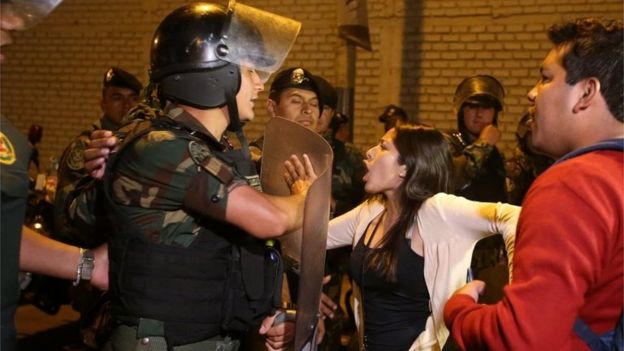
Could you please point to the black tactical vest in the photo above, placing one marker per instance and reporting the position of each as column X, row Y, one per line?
column 223, row 283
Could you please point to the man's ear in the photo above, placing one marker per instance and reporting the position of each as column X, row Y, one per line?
column 271, row 107
column 590, row 91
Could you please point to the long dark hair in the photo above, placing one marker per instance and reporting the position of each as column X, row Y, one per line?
column 425, row 153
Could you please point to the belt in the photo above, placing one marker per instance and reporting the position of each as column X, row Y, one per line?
column 125, row 335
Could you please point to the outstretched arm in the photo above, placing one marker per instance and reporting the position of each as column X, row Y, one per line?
column 40, row 254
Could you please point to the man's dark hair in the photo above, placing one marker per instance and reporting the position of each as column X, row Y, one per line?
column 594, row 48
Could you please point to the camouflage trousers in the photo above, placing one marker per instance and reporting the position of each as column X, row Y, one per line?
column 124, row 338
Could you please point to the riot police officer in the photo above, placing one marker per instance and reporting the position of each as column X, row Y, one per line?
column 477, row 103
column 188, row 264
column 480, row 168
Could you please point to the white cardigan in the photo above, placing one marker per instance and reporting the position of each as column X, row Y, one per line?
column 449, row 226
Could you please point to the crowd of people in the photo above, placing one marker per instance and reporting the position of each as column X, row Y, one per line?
column 160, row 204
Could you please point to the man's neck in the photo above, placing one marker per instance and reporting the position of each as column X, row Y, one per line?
column 214, row 119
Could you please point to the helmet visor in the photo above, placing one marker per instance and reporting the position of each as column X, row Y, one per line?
column 29, row 12
column 258, row 38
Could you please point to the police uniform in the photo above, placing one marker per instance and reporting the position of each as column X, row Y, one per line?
column 483, row 176
column 14, row 158
column 71, row 172
column 179, row 274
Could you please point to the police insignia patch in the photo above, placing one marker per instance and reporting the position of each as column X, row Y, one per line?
column 75, row 159
column 198, row 152
column 201, row 155
column 7, row 152
column 297, row 76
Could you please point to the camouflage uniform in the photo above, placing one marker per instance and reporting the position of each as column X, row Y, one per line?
column 169, row 188
column 71, row 174
column 80, row 219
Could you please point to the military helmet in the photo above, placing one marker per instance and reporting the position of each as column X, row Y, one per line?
column 197, row 49
column 480, row 89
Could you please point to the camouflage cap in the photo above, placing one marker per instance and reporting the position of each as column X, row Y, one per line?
column 117, row 77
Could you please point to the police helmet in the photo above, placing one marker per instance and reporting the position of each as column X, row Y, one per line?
column 197, row 49
column 479, row 90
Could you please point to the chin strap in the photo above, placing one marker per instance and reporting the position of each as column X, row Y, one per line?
column 236, row 125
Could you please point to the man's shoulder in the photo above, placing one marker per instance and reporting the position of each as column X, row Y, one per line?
column 589, row 173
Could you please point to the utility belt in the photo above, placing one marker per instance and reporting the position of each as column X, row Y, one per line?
column 134, row 337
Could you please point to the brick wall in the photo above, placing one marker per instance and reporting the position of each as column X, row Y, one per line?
column 421, row 51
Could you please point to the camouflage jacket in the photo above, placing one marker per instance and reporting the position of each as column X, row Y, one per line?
column 166, row 179
column 79, row 214
column 71, row 174
column 522, row 169
column 479, row 171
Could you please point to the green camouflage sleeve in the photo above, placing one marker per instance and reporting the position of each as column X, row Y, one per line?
column 476, row 155
column 154, row 180
column 71, row 172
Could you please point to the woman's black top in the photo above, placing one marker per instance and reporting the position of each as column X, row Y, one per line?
column 395, row 313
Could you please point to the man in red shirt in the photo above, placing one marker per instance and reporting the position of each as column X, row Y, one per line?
column 568, row 265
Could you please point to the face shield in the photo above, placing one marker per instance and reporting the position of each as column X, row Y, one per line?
column 257, row 39
column 29, row 12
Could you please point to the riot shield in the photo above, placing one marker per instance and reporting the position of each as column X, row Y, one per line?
column 305, row 247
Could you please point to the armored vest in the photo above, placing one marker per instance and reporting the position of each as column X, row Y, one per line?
column 222, row 283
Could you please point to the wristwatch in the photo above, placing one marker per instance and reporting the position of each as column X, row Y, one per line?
column 84, row 270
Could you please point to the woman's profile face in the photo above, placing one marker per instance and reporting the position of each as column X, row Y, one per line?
column 382, row 162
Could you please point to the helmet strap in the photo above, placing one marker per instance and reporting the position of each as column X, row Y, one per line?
column 235, row 123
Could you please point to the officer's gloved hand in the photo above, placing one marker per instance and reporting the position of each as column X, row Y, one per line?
column 101, row 143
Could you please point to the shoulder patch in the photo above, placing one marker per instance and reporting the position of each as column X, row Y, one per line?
column 201, row 155
column 75, row 159
column 160, row 135
column 7, row 151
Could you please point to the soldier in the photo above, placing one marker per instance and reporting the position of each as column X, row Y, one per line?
column 187, row 257
column 23, row 248
column 120, row 92
column 294, row 95
column 480, row 167
column 477, row 103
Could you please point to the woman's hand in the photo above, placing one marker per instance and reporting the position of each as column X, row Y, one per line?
column 299, row 176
